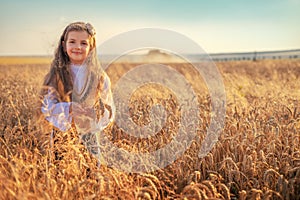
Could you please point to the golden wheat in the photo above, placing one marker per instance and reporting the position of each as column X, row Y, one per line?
column 257, row 155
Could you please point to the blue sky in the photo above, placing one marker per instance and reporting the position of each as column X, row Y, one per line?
column 33, row 27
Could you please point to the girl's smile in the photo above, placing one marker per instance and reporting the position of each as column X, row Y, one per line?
column 77, row 46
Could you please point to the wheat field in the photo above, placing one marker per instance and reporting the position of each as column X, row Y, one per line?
column 257, row 155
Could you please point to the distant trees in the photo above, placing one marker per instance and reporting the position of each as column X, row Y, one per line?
column 255, row 56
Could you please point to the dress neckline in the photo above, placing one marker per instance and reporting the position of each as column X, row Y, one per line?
column 81, row 77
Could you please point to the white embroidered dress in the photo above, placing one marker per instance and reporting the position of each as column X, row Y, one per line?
column 87, row 124
column 58, row 113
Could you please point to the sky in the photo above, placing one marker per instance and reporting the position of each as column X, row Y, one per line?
column 33, row 27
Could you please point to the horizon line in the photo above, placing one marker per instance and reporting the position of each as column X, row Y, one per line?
column 217, row 53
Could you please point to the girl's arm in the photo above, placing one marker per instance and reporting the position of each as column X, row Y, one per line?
column 105, row 108
column 57, row 113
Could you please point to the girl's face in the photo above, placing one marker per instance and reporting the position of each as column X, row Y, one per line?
column 77, row 46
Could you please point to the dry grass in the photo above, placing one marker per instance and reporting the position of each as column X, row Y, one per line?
column 21, row 60
column 257, row 155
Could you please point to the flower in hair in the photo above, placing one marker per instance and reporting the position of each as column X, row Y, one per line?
column 90, row 29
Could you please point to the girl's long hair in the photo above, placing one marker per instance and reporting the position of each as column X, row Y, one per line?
column 59, row 78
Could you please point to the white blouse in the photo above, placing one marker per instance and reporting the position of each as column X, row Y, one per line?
column 57, row 113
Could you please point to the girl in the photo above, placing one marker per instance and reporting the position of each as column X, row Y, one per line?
column 76, row 93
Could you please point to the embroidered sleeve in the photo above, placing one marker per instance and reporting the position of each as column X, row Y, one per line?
column 57, row 113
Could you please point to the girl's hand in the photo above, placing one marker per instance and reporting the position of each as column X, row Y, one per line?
column 79, row 109
column 83, row 117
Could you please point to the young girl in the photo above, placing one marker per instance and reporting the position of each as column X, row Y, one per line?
column 76, row 93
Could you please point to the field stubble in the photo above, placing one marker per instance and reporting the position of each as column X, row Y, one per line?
column 257, row 155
